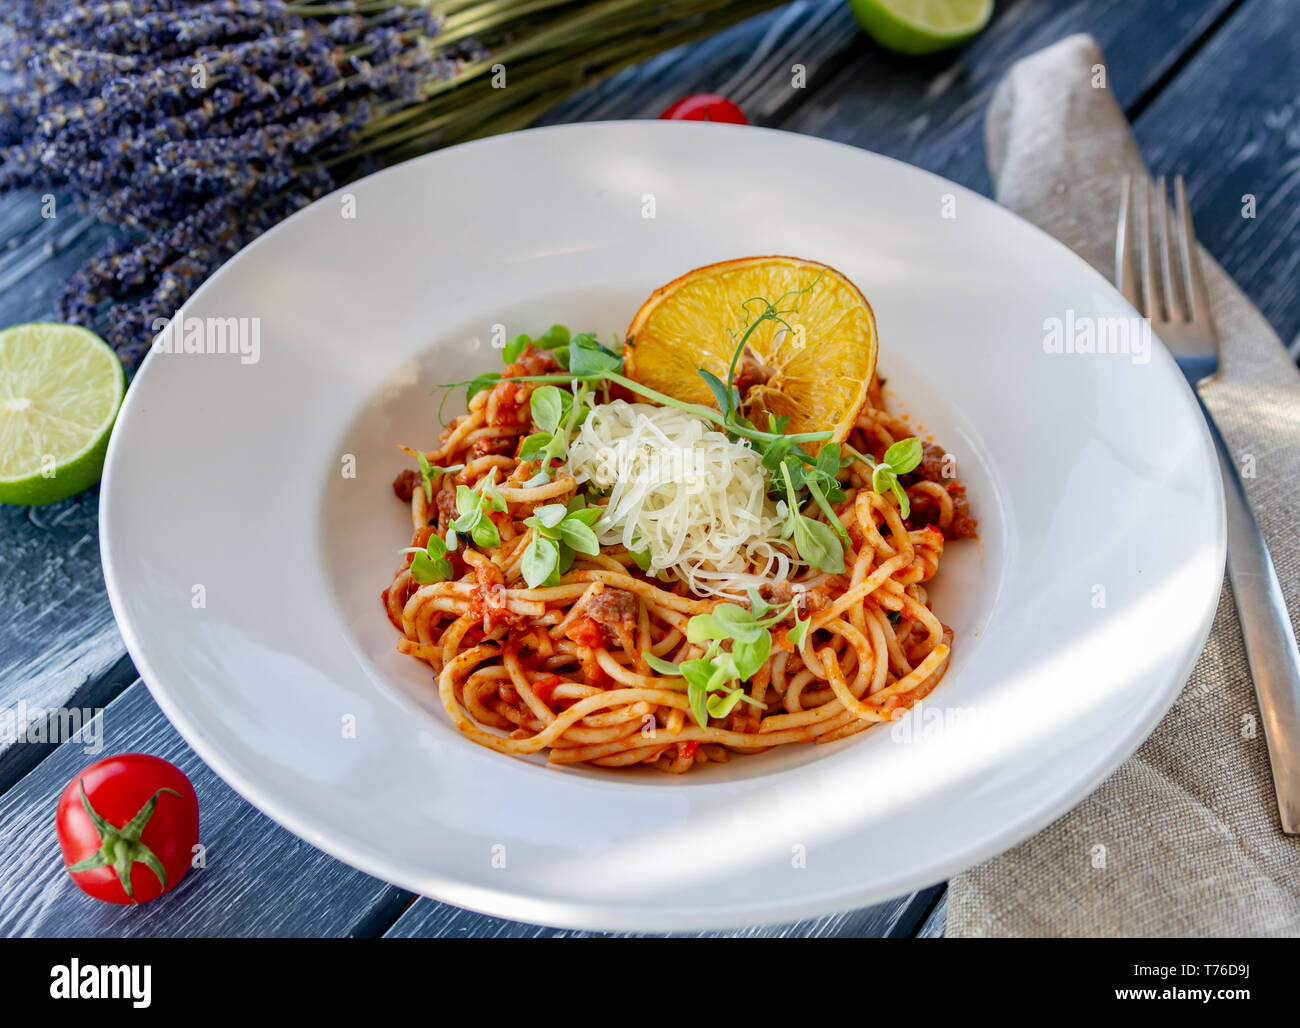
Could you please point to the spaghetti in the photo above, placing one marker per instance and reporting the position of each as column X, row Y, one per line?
column 565, row 668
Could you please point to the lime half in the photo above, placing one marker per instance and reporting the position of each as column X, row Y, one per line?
column 60, row 388
column 921, row 26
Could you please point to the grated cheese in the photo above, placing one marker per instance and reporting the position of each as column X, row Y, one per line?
column 696, row 500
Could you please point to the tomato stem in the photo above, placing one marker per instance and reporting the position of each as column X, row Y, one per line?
column 121, row 848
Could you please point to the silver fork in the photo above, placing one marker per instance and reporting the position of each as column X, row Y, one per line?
column 1180, row 316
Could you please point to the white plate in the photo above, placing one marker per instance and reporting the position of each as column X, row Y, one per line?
column 1077, row 616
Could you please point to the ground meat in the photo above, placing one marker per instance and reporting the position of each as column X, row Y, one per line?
column 931, row 468
column 405, row 484
column 445, row 501
column 811, row 601
column 491, row 598
column 613, row 608
column 777, row 593
column 487, row 575
column 533, row 362
column 924, row 510
column 963, row 523
column 807, row 601
column 492, row 444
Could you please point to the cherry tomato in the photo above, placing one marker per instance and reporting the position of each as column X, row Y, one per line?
column 127, row 826
column 705, row 107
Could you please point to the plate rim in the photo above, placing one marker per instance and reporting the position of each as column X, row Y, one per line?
column 592, row 915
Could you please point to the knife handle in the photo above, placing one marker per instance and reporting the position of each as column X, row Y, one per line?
column 1269, row 638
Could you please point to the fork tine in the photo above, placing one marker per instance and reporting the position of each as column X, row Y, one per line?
column 1198, row 297
column 1152, row 302
column 1173, row 310
column 1125, row 266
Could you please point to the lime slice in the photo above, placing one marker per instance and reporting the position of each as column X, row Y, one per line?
column 921, row 26
column 60, row 387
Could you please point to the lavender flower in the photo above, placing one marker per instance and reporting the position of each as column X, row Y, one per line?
column 105, row 104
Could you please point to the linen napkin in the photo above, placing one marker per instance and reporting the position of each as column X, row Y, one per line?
column 1189, row 825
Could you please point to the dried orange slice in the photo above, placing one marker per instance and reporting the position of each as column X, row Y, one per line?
column 815, row 368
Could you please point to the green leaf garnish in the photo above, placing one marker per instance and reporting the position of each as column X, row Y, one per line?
column 431, row 563
column 816, row 542
column 476, row 385
column 664, row 667
column 726, row 396
column 588, row 357
column 511, row 351
column 559, row 533
column 902, row 457
column 431, row 473
column 578, row 536
column 473, row 505
column 556, row 335
column 541, row 560
column 547, row 407
column 534, row 446
column 710, row 678
column 722, row 703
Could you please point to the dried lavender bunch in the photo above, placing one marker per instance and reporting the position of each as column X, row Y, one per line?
column 195, row 125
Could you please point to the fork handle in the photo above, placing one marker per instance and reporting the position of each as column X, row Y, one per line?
column 1269, row 638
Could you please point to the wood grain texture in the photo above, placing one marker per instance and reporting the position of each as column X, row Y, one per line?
column 260, row 879
column 932, row 927
column 1229, row 122
column 898, row 918
column 1227, row 116
column 927, row 111
column 57, row 635
column 58, row 642
column 931, row 112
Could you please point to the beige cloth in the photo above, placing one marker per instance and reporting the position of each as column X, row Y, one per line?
column 1189, row 824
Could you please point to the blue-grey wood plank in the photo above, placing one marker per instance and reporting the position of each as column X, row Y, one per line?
column 932, row 927
column 1230, row 123
column 931, row 112
column 58, row 642
column 260, row 879
column 900, row 918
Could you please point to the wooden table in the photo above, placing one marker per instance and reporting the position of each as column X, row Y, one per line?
column 1213, row 87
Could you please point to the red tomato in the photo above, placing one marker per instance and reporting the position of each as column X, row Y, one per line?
column 127, row 826
column 705, row 107
column 544, row 689
column 585, row 632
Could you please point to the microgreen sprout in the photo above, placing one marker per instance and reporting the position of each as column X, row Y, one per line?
column 474, row 507
column 902, row 457
column 585, row 360
column 431, row 473
column 431, row 563
column 560, row 532
column 557, row 413
column 816, row 541
column 710, row 678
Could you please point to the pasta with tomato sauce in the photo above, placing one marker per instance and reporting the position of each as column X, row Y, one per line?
column 575, row 667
